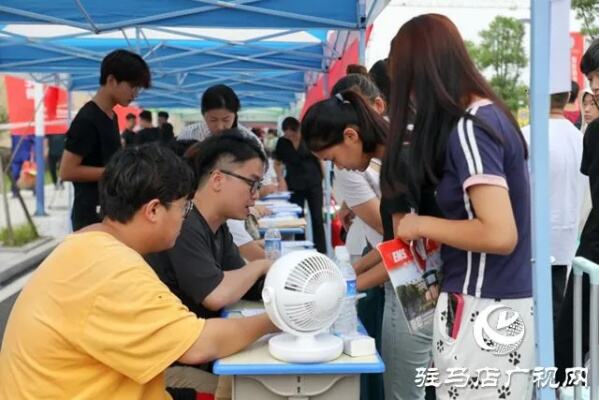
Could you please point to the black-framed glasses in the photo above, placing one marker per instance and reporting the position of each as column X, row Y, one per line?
column 254, row 184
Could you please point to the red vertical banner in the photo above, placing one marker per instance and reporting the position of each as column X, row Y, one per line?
column 336, row 71
column 21, row 107
column 121, row 113
column 576, row 52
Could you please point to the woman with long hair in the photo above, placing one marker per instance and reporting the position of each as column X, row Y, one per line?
column 467, row 150
column 349, row 130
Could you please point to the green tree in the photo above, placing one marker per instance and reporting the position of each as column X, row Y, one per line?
column 501, row 52
column 587, row 11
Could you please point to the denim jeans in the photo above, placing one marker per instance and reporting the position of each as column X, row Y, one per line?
column 402, row 351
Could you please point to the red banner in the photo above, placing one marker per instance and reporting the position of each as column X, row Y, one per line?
column 576, row 52
column 336, row 72
column 21, row 107
column 121, row 113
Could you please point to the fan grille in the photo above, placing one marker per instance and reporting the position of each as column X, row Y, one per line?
column 306, row 277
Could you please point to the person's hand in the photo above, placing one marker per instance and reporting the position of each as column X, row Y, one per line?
column 260, row 211
column 282, row 185
column 409, row 227
column 267, row 189
column 432, row 293
column 346, row 216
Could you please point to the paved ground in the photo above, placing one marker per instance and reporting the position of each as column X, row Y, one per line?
column 16, row 265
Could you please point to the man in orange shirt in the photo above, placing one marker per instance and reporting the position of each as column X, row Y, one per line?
column 94, row 321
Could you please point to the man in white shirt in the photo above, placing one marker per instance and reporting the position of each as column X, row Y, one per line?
column 567, row 190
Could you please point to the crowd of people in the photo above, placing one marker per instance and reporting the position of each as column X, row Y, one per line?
column 422, row 147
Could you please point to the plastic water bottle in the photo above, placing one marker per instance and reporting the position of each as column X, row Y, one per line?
column 347, row 322
column 272, row 244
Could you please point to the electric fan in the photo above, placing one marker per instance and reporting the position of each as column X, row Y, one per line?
column 303, row 293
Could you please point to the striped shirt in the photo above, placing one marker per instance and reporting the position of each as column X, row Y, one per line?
column 199, row 131
column 476, row 156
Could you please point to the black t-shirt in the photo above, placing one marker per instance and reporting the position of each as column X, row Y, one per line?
column 194, row 267
column 94, row 136
column 129, row 137
column 302, row 167
column 148, row 135
column 589, row 239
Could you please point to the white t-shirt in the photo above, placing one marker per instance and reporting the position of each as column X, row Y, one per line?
column 355, row 188
column 567, row 187
column 238, row 231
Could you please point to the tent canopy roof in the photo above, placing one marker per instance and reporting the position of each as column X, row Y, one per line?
column 100, row 16
column 269, row 53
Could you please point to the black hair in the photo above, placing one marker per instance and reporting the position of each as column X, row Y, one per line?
column 590, row 59
column 137, row 174
column 434, row 79
column 229, row 145
column 290, row 124
column 125, row 66
column 130, row 116
column 221, row 96
column 324, row 122
column 356, row 69
column 379, row 73
column 559, row 100
column 574, row 92
column 146, row 115
column 181, row 146
column 163, row 114
column 359, row 83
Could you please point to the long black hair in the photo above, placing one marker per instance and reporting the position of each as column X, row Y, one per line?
column 324, row 122
column 431, row 73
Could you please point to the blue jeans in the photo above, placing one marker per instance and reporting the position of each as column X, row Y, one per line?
column 402, row 351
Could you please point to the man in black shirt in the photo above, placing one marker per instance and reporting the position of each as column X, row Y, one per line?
column 93, row 136
column 128, row 136
column 204, row 268
column 148, row 133
column 303, row 176
column 589, row 238
column 162, row 118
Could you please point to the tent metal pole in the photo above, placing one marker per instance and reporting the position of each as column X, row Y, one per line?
column 327, row 181
column 161, row 17
column 541, row 266
column 40, row 110
column 42, row 17
column 362, row 47
column 298, row 17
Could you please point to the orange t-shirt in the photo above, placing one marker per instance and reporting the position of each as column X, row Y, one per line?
column 94, row 322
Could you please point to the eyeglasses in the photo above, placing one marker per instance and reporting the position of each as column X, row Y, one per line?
column 135, row 89
column 254, row 184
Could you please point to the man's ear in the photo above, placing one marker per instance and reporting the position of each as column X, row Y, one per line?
column 151, row 210
column 111, row 80
column 216, row 180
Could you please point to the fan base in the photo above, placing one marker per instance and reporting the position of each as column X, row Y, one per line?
column 305, row 349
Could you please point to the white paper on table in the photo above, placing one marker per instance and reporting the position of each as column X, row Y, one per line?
column 250, row 312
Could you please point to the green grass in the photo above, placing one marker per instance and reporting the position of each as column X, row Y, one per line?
column 47, row 180
column 23, row 234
